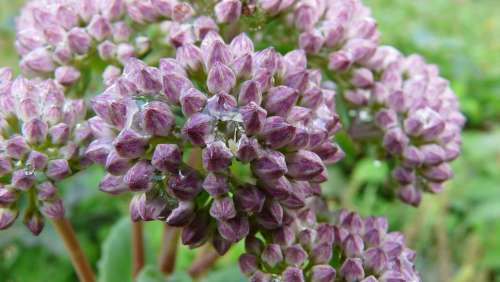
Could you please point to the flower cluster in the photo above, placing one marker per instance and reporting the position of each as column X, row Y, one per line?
column 418, row 115
column 258, row 112
column 58, row 37
column 42, row 140
column 346, row 248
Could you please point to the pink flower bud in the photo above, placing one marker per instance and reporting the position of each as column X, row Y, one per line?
column 280, row 100
column 249, row 92
column 185, row 185
column 7, row 196
column 37, row 160
column 7, row 217
column 322, row 273
column 223, row 209
column 254, row 118
column 16, row 147
column 375, row 259
column 203, row 25
column 190, row 57
column 410, row 195
column 311, row 41
column 362, row 78
column 181, row 215
column 34, row 221
column 38, row 61
column 182, row 11
column 295, row 255
column 248, row 149
column 438, row 173
column 174, row 84
column 66, row 75
column 116, row 164
column 53, row 209
column 227, row 11
column 293, row 274
column 352, row 270
column 241, row 45
column 99, row 27
column 79, row 41
column 403, row 175
column 195, row 233
column 433, row 154
column 107, row 50
column 248, row 264
column 272, row 255
column 59, row 133
column 271, row 216
column 395, row 141
column 250, row 199
column 340, row 61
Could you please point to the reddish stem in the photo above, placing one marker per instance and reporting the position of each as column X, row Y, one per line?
column 137, row 248
column 168, row 250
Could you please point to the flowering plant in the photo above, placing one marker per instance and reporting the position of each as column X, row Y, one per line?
column 221, row 130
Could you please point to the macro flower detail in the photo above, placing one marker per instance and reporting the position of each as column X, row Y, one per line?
column 198, row 102
column 43, row 138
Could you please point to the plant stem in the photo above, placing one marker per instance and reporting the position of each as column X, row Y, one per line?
column 205, row 259
column 168, row 250
column 137, row 248
column 67, row 234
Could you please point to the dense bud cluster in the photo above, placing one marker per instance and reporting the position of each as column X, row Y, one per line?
column 42, row 140
column 418, row 115
column 58, row 37
column 345, row 248
column 240, row 107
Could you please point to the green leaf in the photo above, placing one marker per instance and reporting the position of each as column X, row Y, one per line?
column 115, row 263
column 370, row 171
column 179, row 277
column 150, row 273
column 228, row 273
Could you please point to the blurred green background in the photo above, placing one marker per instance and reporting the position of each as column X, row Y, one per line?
column 456, row 234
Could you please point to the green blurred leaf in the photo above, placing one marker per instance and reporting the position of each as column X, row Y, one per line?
column 179, row 277
column 228, row 273
column 370, row 171
column 151, row 273
column 115, row 263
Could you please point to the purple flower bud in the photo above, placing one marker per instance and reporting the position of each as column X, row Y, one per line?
column 112, row 184
column 182, row 214
column 7, row 196
column 386, row 119
column 46, row 191
column 157, row 119
column 234, row 229
column 280, row 100
column 59, row 133
column 329, row 153
column 117, row 165
column 216, row 157
column 293, row 274
column 412, row 156
column 167, row 158
column 227, row 11
column 362, row 78
column 352, row 270
column 249, row 199
column 254, row 118
column 53, row 209
column 304, row 165
column 277, row 132
column 79, row 41
column 22, row 179
column 358, row 97
column 34, row 221
column 439, row 173
column 220, row 244
column 322, row 273
column 395, row 141
column 311, row 41
column 216, row 185
column 403, row 175
column 58, row 169
column 271, row 216
column 278, row 188
column 397, row 101
column 7, row 217
column 67, row 75
column 129, row 144
column 124, row 52
column 322, row 252
column 5, row 166
column 370, row 278
column 241, row 45
column 182, row 11
column 38, row 61
column 270, row 165
column 295, row 255
column 305, row 17
column 139, row 177
column 195, row 233
column 249, row 92
column 253, row 245
column 198, row 129
column 375, row 259
column 99, row 27
column 190, row 57
column 185, row 185
column 433, row 154
column 111, row 74
column 259, row 276
column 272, row 255
column 135, row 207
column 248, row 264
column 113, row 9
column 243, row 66
column 410, row 195
column 340, row 61
column 192, row 101
column 223, row 209
column 37, row 160
column 202, row 25
column 353, row 245
column 220, row 79
column 248, row 149
column 98, row 151
column 35, row 131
